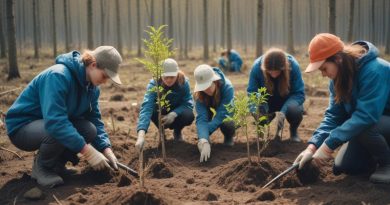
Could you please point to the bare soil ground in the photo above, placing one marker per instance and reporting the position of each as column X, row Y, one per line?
column 228, row 178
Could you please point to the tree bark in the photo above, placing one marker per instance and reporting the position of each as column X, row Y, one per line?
column 229, row 25
column 34, row 12
column 259, row 34
column 54, row 33
column 290, row 37
column 13, row 70
column 170, row 21
column 351, row 18
column 89, row 24
column 118, row 27
column 102, row 27
column 332, row 16
column 186, row 30
column 205, row 32
column 138, row 29
column 66, row 26
column 223, row 30
column 2, row 35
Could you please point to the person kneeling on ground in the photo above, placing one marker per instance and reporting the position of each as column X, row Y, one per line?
column 358, row 115
column 212, row 92
column 181, row 104
column 279, row 72
column 230, row 61
column 58, row 114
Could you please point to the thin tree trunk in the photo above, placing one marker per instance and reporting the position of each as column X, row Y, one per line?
column 152, row 12
column 129, row 24
column 205, row 32
column 13, row 70
column 223, row 30
column 103, row 13
column 118, row 27
column 34, row 12
column 387, row 49
column 290, row 37
column 163, row 13
column 78, row 25
column 332, row 16
column 351, row 17
column 186, row 30
column 229, row 25
column 2, row 35
column 39, row 25
column 170, row 21
column 54, row 37
column 259, row 34
column 70, row 33
column 372, row 30
column 89, row 24
column 66, row 26
column 138, row 29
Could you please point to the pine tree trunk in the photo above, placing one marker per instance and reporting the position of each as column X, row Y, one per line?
column 186, row 30
column 138, row 29
column 290, row 37
column 332, row 16
column 34, row 12
column 118, row 27
column 66, row 25
column 2, row 35
column 89, row 24
column 163, row 12
column 351, row 17
column 102, row 27
column 223, row 30
column 13, row 70
column 152, row 12
column 129, row 24
column 170, row 21
column 259, row 34
column 229, row 25
column 54, row 33
column 205, row 32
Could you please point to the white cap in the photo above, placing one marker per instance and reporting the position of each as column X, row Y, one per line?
column 204, row 76
column 170, row 67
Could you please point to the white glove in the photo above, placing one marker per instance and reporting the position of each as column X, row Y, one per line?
column 96, row 159
column 204, row 149
column 305, row 156
column 139, row 145
column 324, row 152
column 169, row 118
column 111, row 158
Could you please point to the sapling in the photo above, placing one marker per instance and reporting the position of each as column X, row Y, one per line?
column 257, row 100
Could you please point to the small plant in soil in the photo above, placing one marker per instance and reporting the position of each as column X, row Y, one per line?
column 157, row 50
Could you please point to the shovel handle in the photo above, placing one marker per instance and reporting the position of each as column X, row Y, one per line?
column 294, row 166
column 131, row 171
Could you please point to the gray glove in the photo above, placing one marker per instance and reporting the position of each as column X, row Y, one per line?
column 169, row 118
column 280, row 124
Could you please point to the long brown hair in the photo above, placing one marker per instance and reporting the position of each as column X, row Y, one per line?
column 210, row 101
column 276, row 59
column 345, row 61
column 179, row 80
column 87, row 58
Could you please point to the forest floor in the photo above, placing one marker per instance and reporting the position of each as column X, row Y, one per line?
column 227, row 178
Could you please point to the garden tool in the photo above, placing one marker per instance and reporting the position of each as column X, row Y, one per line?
column 130, row 170
column 293, row 167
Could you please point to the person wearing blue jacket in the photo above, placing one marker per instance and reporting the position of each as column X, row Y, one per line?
column 181, row 104
column 279, row 72
column 58, row 114
column 358, row 115
column 230, row 61
column 212, row 92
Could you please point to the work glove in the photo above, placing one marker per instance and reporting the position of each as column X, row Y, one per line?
column 280, row 124
column 324, row 152
column 204, row 149
column 169, row 118
column 139, row 145
column 96, row 159
column 305, row 156
column 109, row 154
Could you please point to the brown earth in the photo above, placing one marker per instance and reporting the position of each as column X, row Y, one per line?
column 227, row 178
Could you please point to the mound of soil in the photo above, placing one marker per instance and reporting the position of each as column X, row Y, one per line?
column 273, row 148
column 263, row 195
column 144, row 198
column 158, row 169
column 241, row 175
column 124, row 181
column 117, row 97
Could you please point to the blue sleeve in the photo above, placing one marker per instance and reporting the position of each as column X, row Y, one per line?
column 187, row 103
column 202, row 118
column 101, row 141
column 373, row 86
column 54, row 89
column 226, row 98
column 334, row 116
column 297, row 91
column 147, row 107
column 255, row 77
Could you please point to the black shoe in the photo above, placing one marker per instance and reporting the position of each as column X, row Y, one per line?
column 381, row 175
column 228, row 141
column 44, row 176
column 177, row 136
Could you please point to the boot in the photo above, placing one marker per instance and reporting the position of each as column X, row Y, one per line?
column 61, row 169
column 177, row 135
column 294, row 135
column 228, row 140
column 44, row 176
column 381, row 175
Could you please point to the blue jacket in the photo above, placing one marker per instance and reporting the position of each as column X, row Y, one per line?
column 179, row 99
column 235, row 60
column 58, row 95
column 204, row 126
column 370, row 100
column 296, row 95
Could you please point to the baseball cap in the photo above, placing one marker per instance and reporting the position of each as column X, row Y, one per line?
column 204, row 76
column 170, row 67
column 108, row 58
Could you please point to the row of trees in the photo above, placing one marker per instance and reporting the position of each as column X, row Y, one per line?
column 64, row 25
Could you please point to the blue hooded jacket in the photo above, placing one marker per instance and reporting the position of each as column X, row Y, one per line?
column 296, row 95
column 370, row 100
column 58, row 95
column 204, row 126
column 179, row 99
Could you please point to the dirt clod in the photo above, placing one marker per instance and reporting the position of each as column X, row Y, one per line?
column 124, row 181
